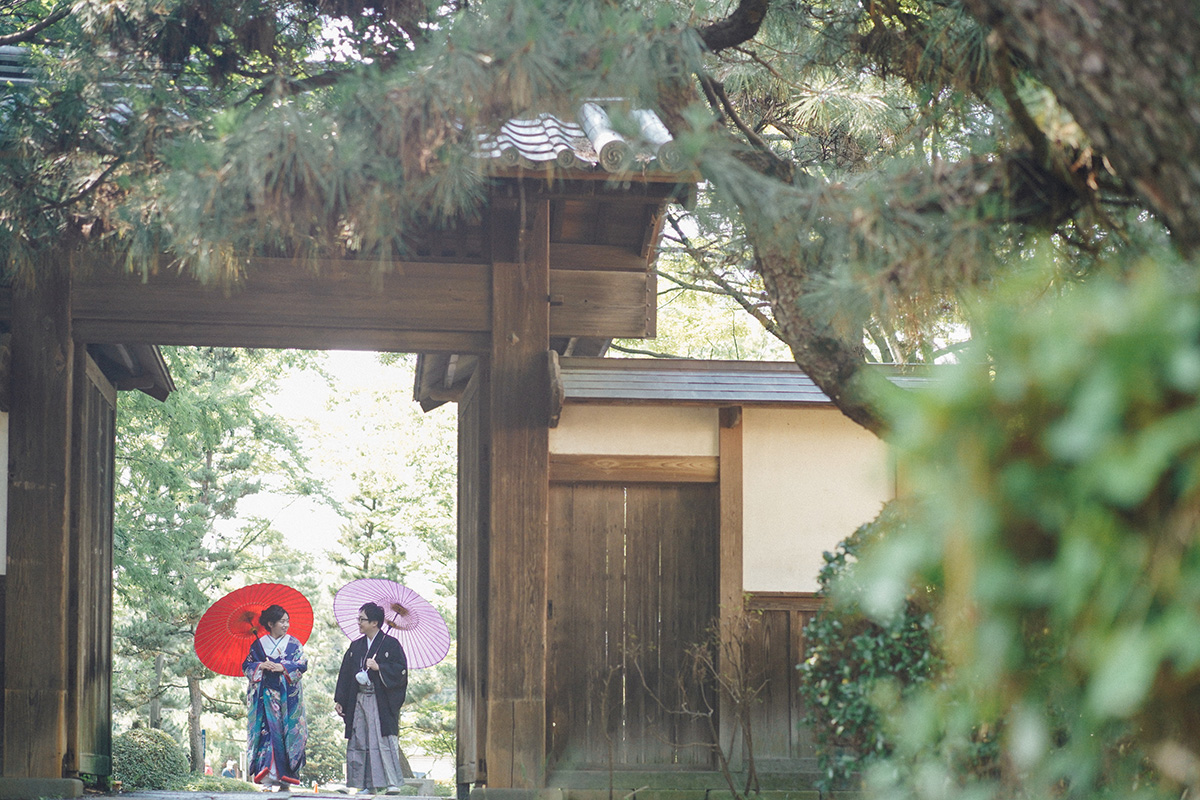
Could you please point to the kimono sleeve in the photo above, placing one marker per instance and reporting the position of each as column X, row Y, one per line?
column 294, row 661
column 254, row 659
column 393, row 669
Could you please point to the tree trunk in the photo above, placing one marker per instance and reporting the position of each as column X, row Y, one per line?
column 834, row 364
column 1126, row 70
column 156, row 695
column 194, row 739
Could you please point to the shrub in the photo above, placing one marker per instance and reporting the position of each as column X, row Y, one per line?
column 215, row 783
column 854, row 662
column 147, row 758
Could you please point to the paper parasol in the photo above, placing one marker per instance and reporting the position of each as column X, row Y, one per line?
column 230, row 625
column 406, row 615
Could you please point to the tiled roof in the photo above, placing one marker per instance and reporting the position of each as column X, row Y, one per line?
column 588, row 142
column 695, row 382
column 14, row 65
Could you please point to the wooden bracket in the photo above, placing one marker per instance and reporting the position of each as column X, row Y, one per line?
column 557, row 390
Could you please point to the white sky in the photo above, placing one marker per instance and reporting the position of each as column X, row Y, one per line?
column 304, row 400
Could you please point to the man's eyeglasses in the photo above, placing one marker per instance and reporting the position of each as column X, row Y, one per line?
column 363, row 619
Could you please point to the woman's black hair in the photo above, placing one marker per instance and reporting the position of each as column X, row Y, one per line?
column 270, row 615
column 373, row 612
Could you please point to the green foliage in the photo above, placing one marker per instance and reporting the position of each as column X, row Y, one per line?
column 858, row 669
column 147, row 758
column 183, row 468
column 214, row 783
column 1058, row 473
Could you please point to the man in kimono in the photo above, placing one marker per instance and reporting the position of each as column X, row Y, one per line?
column 371, row 687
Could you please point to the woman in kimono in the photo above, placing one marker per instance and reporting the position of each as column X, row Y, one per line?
column 276, row 732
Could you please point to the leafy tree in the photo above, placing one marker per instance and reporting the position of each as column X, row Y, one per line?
column 1056, row 513
column 182, row 468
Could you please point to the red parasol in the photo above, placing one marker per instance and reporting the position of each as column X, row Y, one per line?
column 406, row 615
column 230, row 625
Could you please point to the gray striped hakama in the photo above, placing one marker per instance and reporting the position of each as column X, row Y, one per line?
column 372, row 760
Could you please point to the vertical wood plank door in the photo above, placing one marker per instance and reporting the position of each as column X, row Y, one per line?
column 632, row 585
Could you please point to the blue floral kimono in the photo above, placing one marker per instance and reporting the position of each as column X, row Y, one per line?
column 276, row 732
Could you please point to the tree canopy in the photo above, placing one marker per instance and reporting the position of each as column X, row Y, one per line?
column 873, row 159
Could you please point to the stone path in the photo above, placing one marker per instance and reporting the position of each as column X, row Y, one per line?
column 298, row 794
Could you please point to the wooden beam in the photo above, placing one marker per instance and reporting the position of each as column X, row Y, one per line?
column 572, row 468
column 730, row 614
column 423, row 307
column 162, row 332
column 599, row 303
column 805, row 602
column 567, row 255
column 39, row 489
column 283, row 303
column 519, row 497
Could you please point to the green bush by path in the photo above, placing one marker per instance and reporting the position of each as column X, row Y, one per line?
column 855, row 664
column 215, row 783
column 147, row 758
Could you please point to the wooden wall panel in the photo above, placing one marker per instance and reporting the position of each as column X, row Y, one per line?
column 36, row 656
column 583, row 696
column 473, row 513
column 89, row 712
column 632, row 583
column 685, row 519
column 774, row 647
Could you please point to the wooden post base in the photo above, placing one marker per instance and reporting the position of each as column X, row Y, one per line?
column 22, row 788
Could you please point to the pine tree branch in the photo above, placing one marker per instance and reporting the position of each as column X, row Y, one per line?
column 740, row 26
column 726, row 287
column 85, row 191
column 289, row 87
column 27, row 35
column 640, row 352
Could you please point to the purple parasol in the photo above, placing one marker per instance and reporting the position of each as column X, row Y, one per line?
column 406, row 615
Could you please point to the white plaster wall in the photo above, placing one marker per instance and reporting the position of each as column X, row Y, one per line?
column 811, row 477
column 636, row 430
column 4, row 493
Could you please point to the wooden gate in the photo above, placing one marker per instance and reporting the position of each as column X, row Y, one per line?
column 632, row 584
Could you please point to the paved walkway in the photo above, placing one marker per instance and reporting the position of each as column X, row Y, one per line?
column 298, row 794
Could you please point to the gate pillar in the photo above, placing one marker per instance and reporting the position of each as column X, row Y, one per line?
column 36, row 668
column 515, row 750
